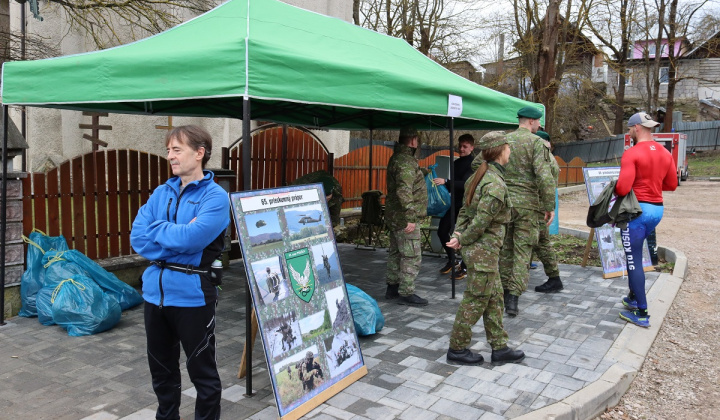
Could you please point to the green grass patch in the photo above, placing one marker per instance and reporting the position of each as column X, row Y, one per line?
column 570, row 250
column 704, row 164
column 665, row 267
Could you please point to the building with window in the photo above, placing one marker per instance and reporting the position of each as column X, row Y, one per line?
column 694, row 69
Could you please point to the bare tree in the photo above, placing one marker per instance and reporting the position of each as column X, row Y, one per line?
column 35, row 47
column 678, row 22
column 106, row 22
column 550, row 44
column 437, row 28
column 101, row 19
column 611, row 23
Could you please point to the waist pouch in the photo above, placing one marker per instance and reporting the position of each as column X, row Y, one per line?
column 214, row 274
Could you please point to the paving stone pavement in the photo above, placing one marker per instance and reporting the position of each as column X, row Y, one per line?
column 45, row 374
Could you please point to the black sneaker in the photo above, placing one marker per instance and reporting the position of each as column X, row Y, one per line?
column 507, row 355
column 412, row 300
column 464, row 357
column 392, row 291
column 446, row 268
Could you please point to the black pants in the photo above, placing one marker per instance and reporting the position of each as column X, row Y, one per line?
column 193, row 328
column 444, row 234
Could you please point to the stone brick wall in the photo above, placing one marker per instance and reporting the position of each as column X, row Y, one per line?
column 14, row 251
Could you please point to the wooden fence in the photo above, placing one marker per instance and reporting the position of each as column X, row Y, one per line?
column 92, row 199
column 301, row 151
column 571, row 173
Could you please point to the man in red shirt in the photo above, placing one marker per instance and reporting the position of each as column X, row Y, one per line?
column 648, row 169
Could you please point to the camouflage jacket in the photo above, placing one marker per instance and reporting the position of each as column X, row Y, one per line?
column 309, row 371
column 481, row 225
column 407, row 198
column 529, row 176
column 555, row 169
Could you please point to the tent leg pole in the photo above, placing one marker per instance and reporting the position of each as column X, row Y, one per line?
column 246, row 150
column 283, row 159
column 3, row 214
column 370, row 182
column 452, row 200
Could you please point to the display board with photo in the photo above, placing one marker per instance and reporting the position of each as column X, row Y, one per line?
column 298, row 294
column 610, row 246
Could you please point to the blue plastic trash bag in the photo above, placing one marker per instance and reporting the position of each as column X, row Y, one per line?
column 43, row 302
column 438, row 196
column 75, row 262
column 33, row 278
column 82, row 308
column 366, row 312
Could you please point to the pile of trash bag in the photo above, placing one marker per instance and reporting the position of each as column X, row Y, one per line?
column 64, row 287
column 366, row 312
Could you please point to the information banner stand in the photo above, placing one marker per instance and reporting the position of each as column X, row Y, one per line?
column 607, row 236
column 301, row 305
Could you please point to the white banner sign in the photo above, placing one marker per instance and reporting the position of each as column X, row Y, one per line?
column 270, row 201
column 454, row 106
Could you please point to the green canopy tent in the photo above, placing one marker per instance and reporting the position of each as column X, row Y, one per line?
column 288, row 64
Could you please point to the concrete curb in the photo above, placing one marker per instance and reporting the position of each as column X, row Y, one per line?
column 628, row 351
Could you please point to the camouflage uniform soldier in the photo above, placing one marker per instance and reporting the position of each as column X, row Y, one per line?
column 333, row 191
column 405, row 204
column 544, row 249
column 480, row 231
column 309, row 370
column 531, row 187
column 273, row 283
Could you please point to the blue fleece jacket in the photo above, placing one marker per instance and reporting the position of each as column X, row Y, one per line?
column 182, row 228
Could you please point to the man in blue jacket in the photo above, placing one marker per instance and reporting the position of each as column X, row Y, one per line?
column 180, row 230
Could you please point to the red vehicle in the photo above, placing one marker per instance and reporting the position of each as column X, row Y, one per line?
column 675, row 143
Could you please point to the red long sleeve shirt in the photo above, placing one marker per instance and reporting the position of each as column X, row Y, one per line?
column 648, row 169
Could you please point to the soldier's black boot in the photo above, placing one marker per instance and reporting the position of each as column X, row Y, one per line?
column 511, row 305
column 464, row 357
column 392, row 291
column 506, row 293
column 554, row 284
column 412, row 300
column 505, row 355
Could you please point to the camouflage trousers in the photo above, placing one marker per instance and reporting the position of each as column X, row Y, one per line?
column 545, row 252
column 483, row 297
column 404, row 260
column 521, row 235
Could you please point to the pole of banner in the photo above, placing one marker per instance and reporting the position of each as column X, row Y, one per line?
column 3, row 214
column 246, row 150
column 452, row 200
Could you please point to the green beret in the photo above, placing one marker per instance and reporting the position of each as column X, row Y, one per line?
column 543, row 135
column 529, row 112
column 408, row 131
column 492, row 139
